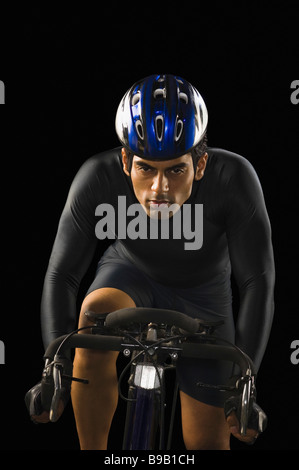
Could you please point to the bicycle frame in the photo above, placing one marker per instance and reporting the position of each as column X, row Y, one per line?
column 145, row 409
column 141, row 419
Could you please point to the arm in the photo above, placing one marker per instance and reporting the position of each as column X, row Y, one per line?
column 71, row 255
column 251, row 254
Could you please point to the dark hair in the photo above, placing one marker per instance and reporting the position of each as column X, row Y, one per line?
column 199, row 150
column 196, row 153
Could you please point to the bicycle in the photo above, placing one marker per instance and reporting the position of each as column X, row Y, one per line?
column 154, row 339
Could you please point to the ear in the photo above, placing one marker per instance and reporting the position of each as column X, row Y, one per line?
column 201, row 166
column 125, row 161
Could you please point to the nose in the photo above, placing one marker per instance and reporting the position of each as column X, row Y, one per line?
column 160, row 183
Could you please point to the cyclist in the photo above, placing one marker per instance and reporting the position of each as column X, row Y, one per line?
column 163, row 159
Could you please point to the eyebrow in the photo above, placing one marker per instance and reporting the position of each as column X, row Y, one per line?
column 178, row 165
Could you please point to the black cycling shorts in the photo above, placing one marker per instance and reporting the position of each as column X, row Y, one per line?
column 213, row 299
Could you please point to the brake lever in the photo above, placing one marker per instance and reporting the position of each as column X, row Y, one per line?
column 57, row 396
column 57, row 393
column 245, row 404
column 245, row 388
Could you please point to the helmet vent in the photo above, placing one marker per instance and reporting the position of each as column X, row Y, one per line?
column 139, row 129
column 159, row 125
column 135, row 99
column 159, row 93
column 183, row 97
column 179, row 129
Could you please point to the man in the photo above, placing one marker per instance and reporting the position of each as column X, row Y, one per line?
column 163, row 162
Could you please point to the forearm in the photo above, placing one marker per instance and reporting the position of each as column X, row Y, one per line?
column 58, row 306
column 255, row 316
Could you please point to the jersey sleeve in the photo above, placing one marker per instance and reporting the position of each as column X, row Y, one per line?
column 72, row 252
column 251, row 253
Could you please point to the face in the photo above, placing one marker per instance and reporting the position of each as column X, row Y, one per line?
column 158, row 185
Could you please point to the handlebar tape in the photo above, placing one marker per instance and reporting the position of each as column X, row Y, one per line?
column 124, row 316
column 108, row 343
column 218, row 352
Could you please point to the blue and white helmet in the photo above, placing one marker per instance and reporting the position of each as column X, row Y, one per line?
column 161, row 118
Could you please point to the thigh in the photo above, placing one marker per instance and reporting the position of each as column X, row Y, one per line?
column 120, row 274
column 200, row 303
column 204, row 426
column 193, row 372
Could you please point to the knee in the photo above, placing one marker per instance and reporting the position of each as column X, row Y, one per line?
column 104, row 300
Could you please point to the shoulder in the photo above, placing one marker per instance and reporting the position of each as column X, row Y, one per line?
column 239, row 190
column 228, row 161
column 104, row 161
column 98, row 168
column 230, row 168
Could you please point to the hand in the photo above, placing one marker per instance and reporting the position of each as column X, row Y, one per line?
column 44, row 417
column 234, row 426
column 34, row 405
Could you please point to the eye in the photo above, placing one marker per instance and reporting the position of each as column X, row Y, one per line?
column 177, row 171
column 144, row 168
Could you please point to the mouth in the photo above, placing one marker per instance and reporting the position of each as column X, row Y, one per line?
column 162, row 208
column 159, row 203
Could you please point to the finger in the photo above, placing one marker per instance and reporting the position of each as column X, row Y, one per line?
column 42, row 418
column 234, row 427
column 250, row 437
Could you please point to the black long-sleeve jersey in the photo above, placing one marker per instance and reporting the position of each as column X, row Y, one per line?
column 236, row 235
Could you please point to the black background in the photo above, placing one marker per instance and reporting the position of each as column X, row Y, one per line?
column 65, row 71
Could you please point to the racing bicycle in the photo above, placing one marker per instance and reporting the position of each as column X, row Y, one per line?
column 152, row 339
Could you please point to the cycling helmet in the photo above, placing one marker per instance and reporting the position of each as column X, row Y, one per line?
column 161, row 117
